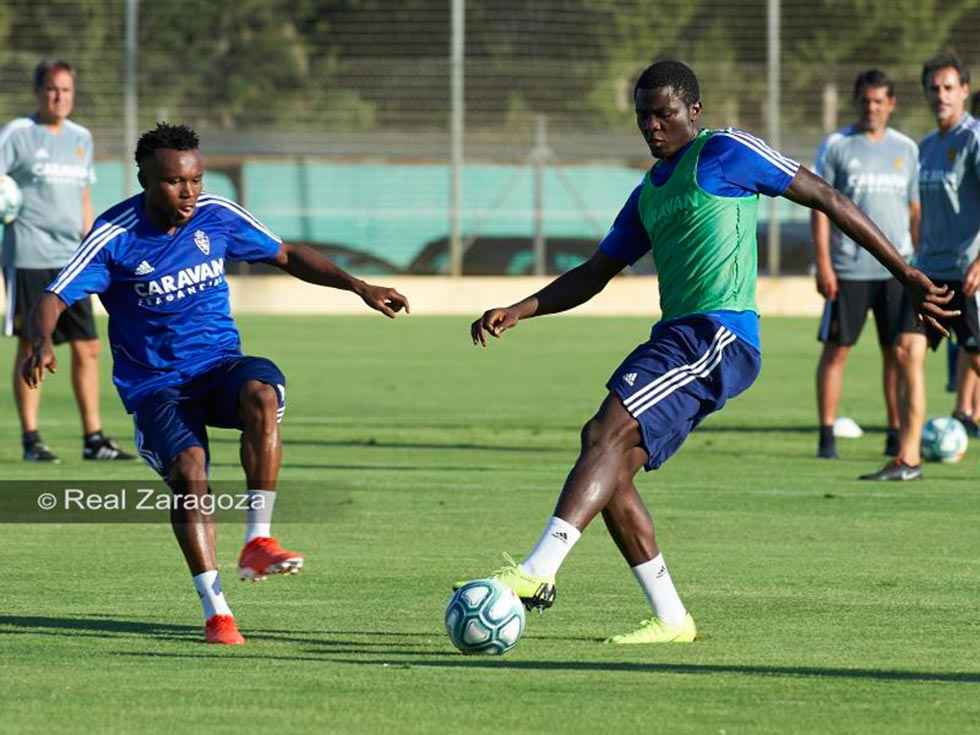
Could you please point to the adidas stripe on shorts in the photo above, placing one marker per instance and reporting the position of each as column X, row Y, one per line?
column 687, row 369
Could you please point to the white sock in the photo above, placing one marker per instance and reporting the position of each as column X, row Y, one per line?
column 659, row 589
column 208, row 586
column 258, row 517
column 548, row 554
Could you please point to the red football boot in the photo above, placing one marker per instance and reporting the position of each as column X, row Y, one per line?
column 222, row 629
column 263, row 556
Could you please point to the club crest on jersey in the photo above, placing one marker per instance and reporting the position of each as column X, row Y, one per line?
column 203, row 242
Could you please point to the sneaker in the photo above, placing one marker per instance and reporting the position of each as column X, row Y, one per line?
column 891, row 443
column 38, row 452
column 222, row 629
column 655, row 630
column 263, row 556
column 104, row 448
column 895, row 470
column 972, row 430
column 535, row 592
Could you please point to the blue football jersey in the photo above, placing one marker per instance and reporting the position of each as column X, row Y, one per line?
column 166, row 295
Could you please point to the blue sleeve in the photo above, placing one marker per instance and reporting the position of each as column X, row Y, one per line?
column 627, row 239
column 88, row 271
column 736, row 164
column 249, row 239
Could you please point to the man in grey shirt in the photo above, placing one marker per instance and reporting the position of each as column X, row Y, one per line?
column 876, row 167
column 949, row 187
column 50, row 158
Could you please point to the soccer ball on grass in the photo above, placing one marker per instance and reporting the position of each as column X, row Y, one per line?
column 943, row 440
column 10, row 200
column 484, row 616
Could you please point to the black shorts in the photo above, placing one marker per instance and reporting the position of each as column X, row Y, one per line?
column 966, row 326
column 25, row 286
column 843, row 319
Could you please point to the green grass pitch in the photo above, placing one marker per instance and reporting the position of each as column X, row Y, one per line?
column 411, row 458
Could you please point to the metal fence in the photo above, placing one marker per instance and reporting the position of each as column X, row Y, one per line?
column 297, row 99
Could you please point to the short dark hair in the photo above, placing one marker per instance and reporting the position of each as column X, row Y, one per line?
column 47, row 67
column 975, row 104
column 873, row 79
column 165, row 135
column 669, row 73
column 943, row 60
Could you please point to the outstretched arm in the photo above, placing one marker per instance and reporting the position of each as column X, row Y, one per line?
column 811, row 191
column 307, row 264
column 40, row 325
column 566, row 292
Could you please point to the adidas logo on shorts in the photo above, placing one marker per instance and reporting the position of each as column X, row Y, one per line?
column 143, row 269
column 630, row 378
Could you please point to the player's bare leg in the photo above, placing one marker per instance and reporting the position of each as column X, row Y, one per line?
column 608, row 440
column 194, row 529
column 188, row 479
column 911, row 355
column 967, row 384
column 85, row 382
column 830, row 381
column 626, row 516
column 261, row 456
column 28, row 405
column 910, row 352
column 891, row 380
column 631, row 527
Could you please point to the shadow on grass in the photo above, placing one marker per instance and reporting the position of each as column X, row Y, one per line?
column 452, row 660
column 98, row 626
column 95, row 627
column 374, row 468
column 379, row 444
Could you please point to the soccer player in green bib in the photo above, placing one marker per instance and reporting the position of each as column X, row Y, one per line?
column 695, row 210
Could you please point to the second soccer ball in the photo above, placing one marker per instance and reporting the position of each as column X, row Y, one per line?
column 943, row 440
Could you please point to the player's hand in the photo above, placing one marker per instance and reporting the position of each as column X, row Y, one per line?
column 386, row 300
column 928, row 300
column 495, row 322
column 971, row 281
column 41, row 359
column 827, row 283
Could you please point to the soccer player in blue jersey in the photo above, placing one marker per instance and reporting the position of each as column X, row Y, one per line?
column 157, row 262
column 696, row 211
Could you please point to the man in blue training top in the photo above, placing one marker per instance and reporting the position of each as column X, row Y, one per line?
column 696, row 211
column 157, row 262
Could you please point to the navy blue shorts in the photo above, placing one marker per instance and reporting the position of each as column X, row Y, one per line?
column 174, row 418
column 688, row 369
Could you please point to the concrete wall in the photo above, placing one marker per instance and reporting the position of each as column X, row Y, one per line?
column 625, row 296
column 472, row 295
